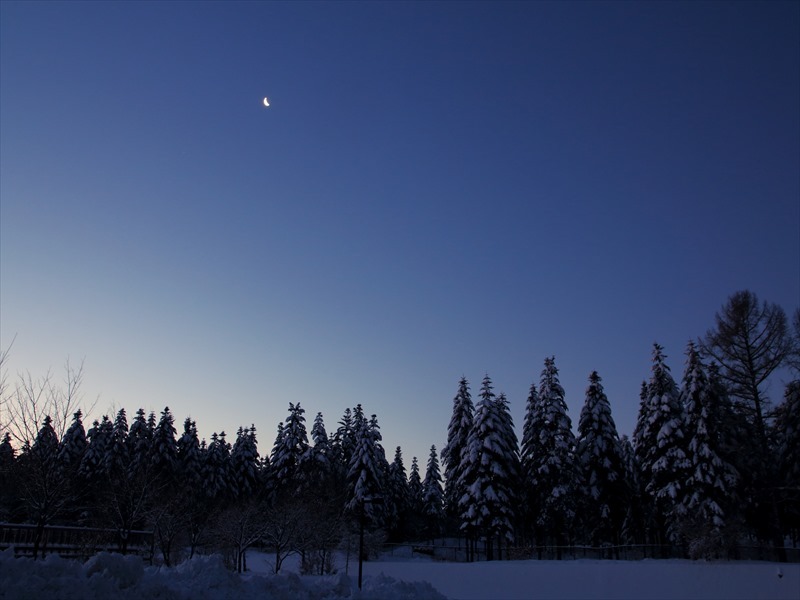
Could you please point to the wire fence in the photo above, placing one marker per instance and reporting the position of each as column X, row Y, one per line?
column 72, row 542
column 456, row 551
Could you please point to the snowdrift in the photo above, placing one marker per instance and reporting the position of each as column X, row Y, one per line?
column 203, row 578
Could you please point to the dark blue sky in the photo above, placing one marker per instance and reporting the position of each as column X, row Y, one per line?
column 437, row 190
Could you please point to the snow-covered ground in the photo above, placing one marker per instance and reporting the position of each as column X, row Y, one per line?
column 394, row 578
column 600, row 579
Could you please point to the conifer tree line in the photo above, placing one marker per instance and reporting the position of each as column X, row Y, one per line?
column 710, row 465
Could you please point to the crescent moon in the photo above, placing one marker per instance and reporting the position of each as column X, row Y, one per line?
column 266, row 101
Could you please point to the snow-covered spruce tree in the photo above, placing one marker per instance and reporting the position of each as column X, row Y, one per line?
column 634, row 524
column 366, row 475
column 531, row 426
column 8, row 488
column 397, row 497
column 604, row 498
column 164, row 448
column 117, row 455
column 787, row 428
column 457, row 435
column 661, row 448
column 289, row 451
column 245, row 464
column 140, row 437
column 73, row 444
column 553, row 476
column 321, row 453
column 322, row 498
column 190, row 458
column 709, row 488
column 217, row 469
column 93, row 463
column 433, row 495
column 415, row 487
column 491, row 471
column 344, row 440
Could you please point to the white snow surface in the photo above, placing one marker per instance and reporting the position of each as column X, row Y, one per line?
column 399, row 578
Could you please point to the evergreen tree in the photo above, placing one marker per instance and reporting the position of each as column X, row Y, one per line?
column 190, row 457
column 433, row 494
column 709, row 487
column 8, row 490
column 787, row 426
column 365, row 476
column 45, row 446
column 345, row 438
column 245, row 463
column 661, row 448
column 553, row 476
column 634, row 525
column 94, row 463
column 140, row 437
column 217, row 469
column 164, row 448
column 73, row 444
column 415, row 487
column 603, row 471
column 322, row 451
column 529, row 449
column 290, row 449
column 397, row 496
column 7, row 454
column 117, row 452
column 457, row 436
column 490, row 471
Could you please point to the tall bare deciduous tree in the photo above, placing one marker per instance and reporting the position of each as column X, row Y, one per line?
column 750, row 341
column 24, row 406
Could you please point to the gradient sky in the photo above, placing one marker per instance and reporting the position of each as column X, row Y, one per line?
column 438, row 190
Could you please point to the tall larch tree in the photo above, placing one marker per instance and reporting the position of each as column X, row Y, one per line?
column 751, row 341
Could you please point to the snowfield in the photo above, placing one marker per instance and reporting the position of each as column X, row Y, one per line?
column 126, row 577
column 601, row 579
